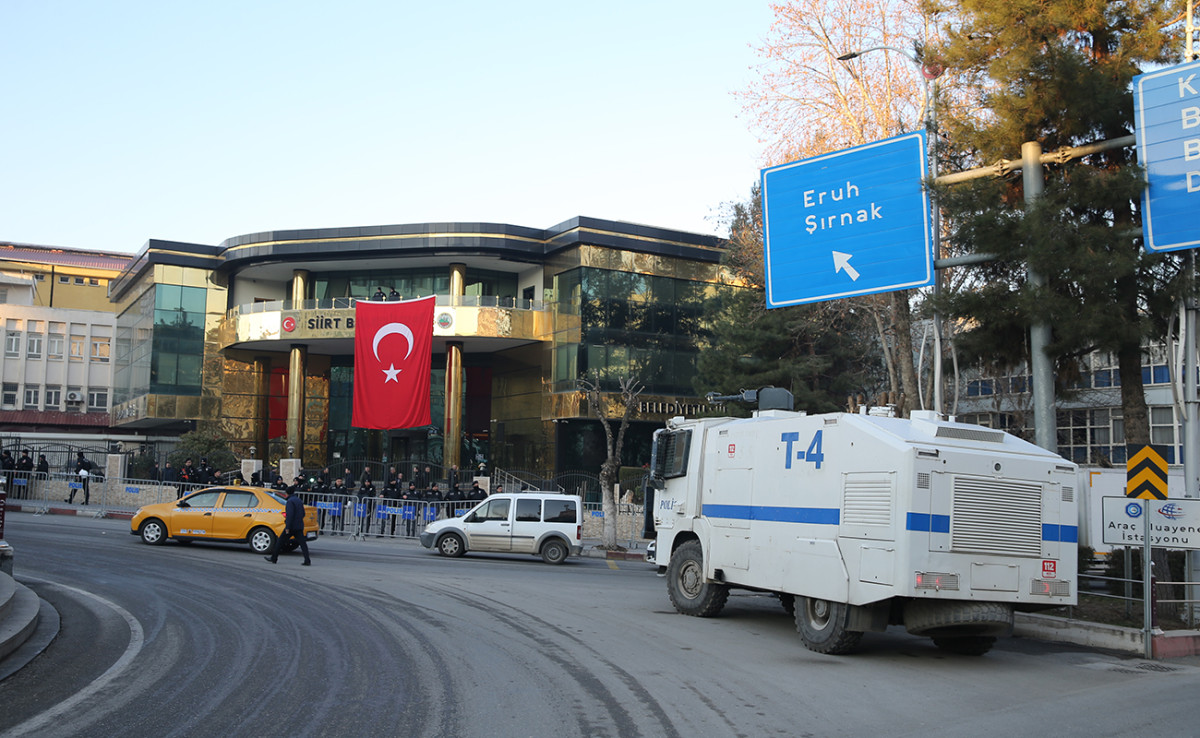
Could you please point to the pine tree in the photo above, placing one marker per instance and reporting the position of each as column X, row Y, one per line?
column 819, row 353
column 1057, row 72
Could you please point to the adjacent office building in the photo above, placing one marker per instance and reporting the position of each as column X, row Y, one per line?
column 58, row 328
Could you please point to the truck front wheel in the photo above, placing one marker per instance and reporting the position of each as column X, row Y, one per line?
column 822, row 626
column 690, row 592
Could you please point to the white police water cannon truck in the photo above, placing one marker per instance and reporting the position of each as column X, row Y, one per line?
column 861, row 521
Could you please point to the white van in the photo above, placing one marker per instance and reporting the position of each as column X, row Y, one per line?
column 540, row 523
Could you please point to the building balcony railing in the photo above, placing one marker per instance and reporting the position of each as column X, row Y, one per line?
column 465, row 317
column 347, row 303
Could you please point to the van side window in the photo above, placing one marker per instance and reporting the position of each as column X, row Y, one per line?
column 529, row 511
column 493, row 510
column 560, row 512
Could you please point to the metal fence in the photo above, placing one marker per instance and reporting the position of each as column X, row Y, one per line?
column 337, row 514
column 101, row 495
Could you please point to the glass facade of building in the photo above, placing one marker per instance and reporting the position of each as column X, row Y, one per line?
column 411, row 283
column 178, row 342
column 637, row 325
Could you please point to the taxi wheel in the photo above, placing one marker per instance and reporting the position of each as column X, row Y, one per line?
column 153, row 532
column 262, row 540
column 451, row 545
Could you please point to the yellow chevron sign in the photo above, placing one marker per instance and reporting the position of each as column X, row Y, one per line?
column 1146, row 473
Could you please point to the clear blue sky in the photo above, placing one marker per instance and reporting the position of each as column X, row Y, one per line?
column 129, row 120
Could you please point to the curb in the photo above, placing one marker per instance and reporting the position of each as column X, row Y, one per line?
column 83, row 511
column 1165, row 644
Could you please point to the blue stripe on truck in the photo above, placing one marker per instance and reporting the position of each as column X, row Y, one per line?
column 816, row 515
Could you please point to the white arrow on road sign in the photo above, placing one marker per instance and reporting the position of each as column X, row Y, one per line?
column 841, row 262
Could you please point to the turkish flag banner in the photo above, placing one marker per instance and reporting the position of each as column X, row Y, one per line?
column 393, row 345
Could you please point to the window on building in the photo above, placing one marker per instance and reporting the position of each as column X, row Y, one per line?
column 53, row 397
column 8, row 395
column 80, row 280
column 12, row 345
column 33, row 346
column 77, row 343
column 55, row 345
column 1162, row 429
column 64, row 280
column 93, row 282
column 97, row 399
column 33, row 396
column 100, row 350
column 3, row 295
column 39, row 277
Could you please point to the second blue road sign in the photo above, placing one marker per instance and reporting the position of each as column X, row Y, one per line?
column 1167, row 117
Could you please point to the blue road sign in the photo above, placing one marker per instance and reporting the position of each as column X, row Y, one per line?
column 852, row 222
column 1167, row 116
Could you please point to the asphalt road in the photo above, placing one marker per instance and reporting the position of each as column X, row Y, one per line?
column 386, row 638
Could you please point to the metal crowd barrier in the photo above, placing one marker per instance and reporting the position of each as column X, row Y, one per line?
column 381, row 517
column 101, row 495
column 347, row 515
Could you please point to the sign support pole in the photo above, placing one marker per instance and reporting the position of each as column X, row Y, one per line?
column 1147, row 584
column 1041, row 370
column 1191, row 444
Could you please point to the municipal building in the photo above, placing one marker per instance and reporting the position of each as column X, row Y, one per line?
column 254, row 337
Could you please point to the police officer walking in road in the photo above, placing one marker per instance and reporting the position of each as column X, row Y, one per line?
column 293, row 526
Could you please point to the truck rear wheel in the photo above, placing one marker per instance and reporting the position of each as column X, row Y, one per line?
column 690, row 592
column 968, row 646
column 822, row 626
column 957, row 619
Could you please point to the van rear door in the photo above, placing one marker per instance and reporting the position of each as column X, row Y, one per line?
column 527, row 524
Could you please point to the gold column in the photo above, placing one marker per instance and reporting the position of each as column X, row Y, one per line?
column 299, row 288
column 296, row 361
column 458, row 281
column 452, row 427
column 452, row 439
column 295, row 418
column 262, row 392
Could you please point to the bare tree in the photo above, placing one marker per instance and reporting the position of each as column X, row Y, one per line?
column 630, row 388
column 806, row 102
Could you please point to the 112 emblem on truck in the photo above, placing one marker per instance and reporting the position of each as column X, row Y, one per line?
column 858, row 522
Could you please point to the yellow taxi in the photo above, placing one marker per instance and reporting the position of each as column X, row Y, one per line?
column 233, row 514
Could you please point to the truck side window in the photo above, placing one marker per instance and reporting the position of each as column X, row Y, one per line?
column 670, row 453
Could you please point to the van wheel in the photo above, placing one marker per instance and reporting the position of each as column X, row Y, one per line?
column 968, row 646
column 554, row 551
column 451, row 545
column 690, row 592
column 822, row 626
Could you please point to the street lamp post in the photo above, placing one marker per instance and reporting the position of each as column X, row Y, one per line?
column 930, row 73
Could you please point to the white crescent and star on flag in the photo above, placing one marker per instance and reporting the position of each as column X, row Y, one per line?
column 392, row 373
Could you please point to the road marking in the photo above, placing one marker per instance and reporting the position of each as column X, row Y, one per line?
column 136, row 641
column 612, row 564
